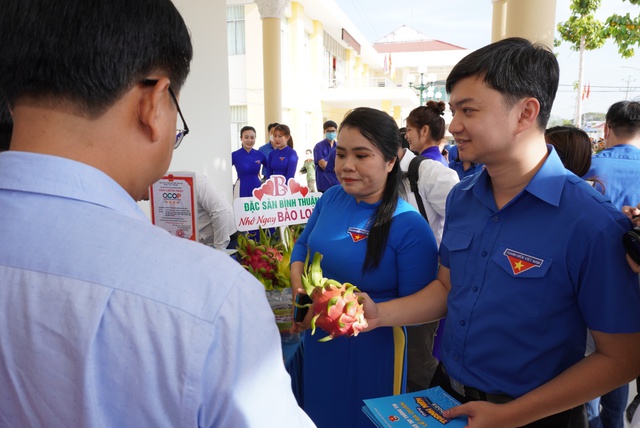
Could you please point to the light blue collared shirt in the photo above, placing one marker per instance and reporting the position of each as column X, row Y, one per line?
column 107, row 320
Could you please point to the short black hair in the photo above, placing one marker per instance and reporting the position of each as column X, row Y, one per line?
column 517, row 69
column 6, row 126
column 247, row 128
column 271, row 126
column 623, row 118
column 329, row 124
column 89, row 52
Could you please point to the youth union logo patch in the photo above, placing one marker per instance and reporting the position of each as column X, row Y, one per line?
column 358, row 234
column 521, row 262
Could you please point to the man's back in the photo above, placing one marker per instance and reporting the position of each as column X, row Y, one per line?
column 618, row 168
column 92, row 335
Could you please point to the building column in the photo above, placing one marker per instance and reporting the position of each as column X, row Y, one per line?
column 534, row 20
column 498, row 20
column 271, row 12
column 397, row 115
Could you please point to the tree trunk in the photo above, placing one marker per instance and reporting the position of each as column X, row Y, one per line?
column 577, row 120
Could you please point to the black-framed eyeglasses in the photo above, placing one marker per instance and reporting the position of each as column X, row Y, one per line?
column 180, row 133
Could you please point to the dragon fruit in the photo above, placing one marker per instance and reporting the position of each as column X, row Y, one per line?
column 338, row 311
column 261, row 259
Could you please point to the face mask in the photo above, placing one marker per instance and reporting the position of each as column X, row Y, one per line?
column 271, row 138
column 331, row 136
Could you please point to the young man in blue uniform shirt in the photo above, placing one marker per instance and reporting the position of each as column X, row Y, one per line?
column 324, row 157
column 618, row 166
column 531, row 259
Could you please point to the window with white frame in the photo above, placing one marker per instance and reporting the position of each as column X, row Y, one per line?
column 235, row 30
column 238, row 120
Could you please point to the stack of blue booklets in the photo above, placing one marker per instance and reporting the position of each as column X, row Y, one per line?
column 413, row 409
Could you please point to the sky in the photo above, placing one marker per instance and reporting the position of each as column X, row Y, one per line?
column 467, row 23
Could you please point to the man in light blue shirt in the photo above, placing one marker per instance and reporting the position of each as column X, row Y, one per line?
column 106, row 320
column 618, row 166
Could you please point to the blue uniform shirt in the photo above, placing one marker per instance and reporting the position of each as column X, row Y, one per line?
column 433, row 152
column 528, row 280
column 453, row 152
column 325, row 178
column 266, row 149
column 282, row 162
column 248, row 167
column 618, row 168
column 458, row 167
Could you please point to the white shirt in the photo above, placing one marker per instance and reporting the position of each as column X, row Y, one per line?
column 435, row 181
column 215, row 215
column 107, row 320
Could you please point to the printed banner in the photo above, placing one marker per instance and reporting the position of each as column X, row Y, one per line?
column 275, row 203
column 173, row 204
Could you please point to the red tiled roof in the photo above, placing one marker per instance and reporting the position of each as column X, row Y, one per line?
column 416, row 46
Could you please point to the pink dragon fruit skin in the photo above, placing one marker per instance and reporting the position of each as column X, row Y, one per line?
column 338, row 311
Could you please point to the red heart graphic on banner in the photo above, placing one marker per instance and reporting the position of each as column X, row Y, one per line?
column 294, row 187
column 268, row 188
column 304, row 191
column 258, row 193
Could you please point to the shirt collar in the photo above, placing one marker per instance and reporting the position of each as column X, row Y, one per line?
column 58, row 176
column 546, row 185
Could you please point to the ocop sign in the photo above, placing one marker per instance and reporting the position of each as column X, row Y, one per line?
column 275, row 203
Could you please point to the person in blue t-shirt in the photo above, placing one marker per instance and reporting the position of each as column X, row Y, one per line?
column 269, row 146
column 464, row 168
column 618, row 166
column 531, row 259
column 425, row 130
column 324, row 157
column 283, row 160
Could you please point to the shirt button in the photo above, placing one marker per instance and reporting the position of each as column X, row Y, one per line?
column 484, row 254
column 455, row 358
column 462, row 323
column 495, row 219
column 475, row 289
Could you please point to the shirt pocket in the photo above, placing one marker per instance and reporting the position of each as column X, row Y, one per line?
column 457, row 243
column 519, row 285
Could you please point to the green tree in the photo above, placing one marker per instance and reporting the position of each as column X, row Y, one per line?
column 585, row 32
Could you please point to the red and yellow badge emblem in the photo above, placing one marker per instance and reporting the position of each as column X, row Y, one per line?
column 521, row 262
column 358, row 234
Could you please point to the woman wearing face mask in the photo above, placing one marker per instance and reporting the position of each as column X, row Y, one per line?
column 247, row 162
column 283, row 160
column 376, row 241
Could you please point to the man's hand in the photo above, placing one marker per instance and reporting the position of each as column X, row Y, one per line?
column 633, row 213
column 483, row 415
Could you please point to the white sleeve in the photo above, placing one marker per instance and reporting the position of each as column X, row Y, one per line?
column 435, row 183
column 219, row 209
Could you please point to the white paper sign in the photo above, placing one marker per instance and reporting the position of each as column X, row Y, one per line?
column 173, row 204
column 275, row 203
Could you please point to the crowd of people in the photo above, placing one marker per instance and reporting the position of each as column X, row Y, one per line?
column 516, row 238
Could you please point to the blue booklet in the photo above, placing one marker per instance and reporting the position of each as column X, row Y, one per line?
column 413, row 409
